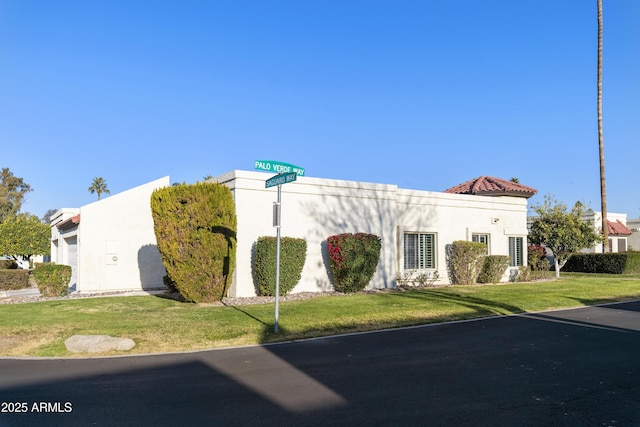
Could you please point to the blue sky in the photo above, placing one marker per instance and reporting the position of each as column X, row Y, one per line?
column 423, row 94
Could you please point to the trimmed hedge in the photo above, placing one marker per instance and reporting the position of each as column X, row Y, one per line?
column 611, row 263
column 293, row 252
column 633, row 263
column 465, row 261
column 493, row 268
column 195, row 227
column 52, row 279
column 353, row 259
column 8, row 264
column 11, row 280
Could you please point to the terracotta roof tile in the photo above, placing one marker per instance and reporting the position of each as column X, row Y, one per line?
column 73, row 220
column 618, row 229
column 491, row 186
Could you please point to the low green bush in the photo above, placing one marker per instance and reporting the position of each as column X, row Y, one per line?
column 537, row 262
column 52, row 279
column 524, row 274
column 14, row 279
column 353, row 259
column 293, row 252
column 8, row 264
column 633, row 263
column 465, row 261
column 493, row 268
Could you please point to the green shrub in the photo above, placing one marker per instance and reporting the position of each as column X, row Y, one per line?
column 195, row 227
column 493, row 268
column 633, row 263
column 537, row 261
column 52, row 279
column 524, row 274
column 612, row 263
column 293, row 252
column 8, row 264
column 465, row 261
column 353, row 259
column 14, row 279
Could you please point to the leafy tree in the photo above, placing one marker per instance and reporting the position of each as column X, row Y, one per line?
column 563, row 232
column 99, row 185
column 12, row 192
column 46, row 218
column 24, row 235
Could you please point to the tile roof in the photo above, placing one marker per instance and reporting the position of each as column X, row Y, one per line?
column 618, row 229
column 491, row 186
column 73, row 220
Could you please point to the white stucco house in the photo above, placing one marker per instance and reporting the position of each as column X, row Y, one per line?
column 111, row 243
column 416, row 227
column 619, row 233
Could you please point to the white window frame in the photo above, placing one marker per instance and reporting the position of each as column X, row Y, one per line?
column 482, row 238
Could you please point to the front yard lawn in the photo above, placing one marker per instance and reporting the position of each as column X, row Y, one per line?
column 164, row 325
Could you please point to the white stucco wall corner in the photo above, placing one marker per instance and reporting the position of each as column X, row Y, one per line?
column 117, row 249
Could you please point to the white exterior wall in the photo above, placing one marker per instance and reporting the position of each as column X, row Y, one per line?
column 634, row 240
column 313, row 209
column 456, row 217
column 117, row 245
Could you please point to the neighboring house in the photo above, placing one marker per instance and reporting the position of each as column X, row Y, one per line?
column 416, row 227
column 110, row 244
column 633, row 241
column 618, row 231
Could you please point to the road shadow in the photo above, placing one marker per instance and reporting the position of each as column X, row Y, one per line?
column 480, row 305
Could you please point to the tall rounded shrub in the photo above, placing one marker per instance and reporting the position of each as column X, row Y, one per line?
column 493, row 268
column 353, row 259
column 465, row 261
column 195, row 227
column 293, row 252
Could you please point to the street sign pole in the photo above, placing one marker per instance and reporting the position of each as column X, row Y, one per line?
column 286, row 173
column 278, row 211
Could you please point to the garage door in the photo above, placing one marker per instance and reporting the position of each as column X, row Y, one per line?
column 72, row 258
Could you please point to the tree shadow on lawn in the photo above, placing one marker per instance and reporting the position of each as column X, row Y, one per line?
column 481, row 306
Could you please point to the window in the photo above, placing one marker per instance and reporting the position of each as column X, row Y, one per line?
column 419, row 251
column 481, row 238
column 516, row 251
column 622, row 245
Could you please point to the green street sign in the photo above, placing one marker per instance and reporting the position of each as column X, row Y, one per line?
column 278, row 167
column 280, row 179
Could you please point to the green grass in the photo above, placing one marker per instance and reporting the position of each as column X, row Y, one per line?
column 164, row 325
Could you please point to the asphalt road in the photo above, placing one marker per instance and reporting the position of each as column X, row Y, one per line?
column 565, row 368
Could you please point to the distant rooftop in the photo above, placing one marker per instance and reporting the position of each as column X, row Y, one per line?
column 618, row 229
column 491, row 186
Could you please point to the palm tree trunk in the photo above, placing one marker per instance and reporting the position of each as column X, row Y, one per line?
column 603, row 187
